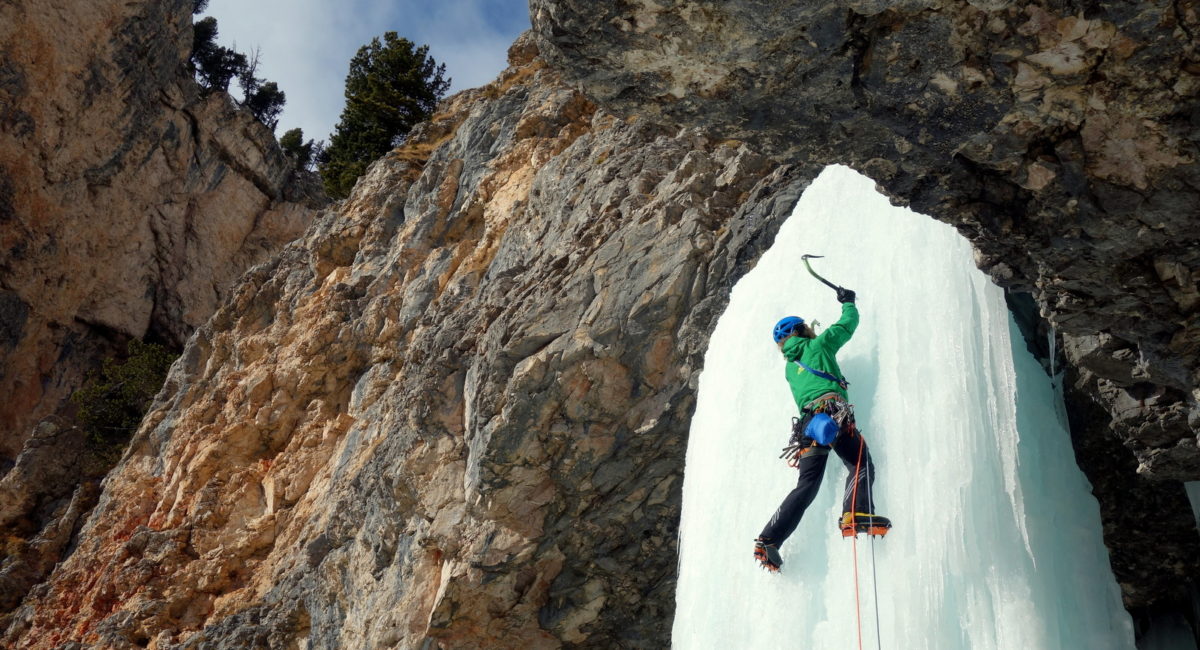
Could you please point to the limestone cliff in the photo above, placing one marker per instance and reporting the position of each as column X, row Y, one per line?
column 1060, row 137
column 129, row 203
column 454, row 413
column 455, row 410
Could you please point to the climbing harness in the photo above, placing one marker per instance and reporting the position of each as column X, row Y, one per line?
column 831, row 408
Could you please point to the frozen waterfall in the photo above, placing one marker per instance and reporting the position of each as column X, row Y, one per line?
column 997, row 538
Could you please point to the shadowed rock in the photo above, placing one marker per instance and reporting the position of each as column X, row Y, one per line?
column 454, row 413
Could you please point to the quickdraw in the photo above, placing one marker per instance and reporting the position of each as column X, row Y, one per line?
column 795, row 451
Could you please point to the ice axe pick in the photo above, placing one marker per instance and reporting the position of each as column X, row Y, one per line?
column 814, row 273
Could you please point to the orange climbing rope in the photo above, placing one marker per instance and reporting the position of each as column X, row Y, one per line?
column 854, row 543
column 854, row 527
column 874, row 577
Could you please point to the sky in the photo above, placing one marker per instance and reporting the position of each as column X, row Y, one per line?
column 306, row 45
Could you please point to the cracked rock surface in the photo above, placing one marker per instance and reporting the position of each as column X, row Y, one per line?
column 129, row 203
column 1059, row 137
column 454, row 412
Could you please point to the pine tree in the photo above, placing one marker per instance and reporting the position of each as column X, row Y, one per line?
column 392, row 86
column 215, row 66
column 293, row 144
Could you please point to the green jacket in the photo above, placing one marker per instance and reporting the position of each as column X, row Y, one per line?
column 819, row 353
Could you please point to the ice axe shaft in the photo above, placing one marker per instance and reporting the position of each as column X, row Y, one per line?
column 814, row 273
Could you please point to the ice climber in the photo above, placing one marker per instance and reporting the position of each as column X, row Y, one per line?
column 826, row 423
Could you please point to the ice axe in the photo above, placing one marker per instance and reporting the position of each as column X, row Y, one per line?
column 814, row 273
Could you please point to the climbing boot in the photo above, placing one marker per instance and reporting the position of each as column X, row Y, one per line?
column 853, row 523
column 767, row 555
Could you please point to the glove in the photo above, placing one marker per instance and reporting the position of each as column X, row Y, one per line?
column 845, row 295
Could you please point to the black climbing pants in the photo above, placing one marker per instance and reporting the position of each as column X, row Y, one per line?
column 812, row 469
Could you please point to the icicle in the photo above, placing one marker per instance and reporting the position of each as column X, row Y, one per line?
column 1053, row 357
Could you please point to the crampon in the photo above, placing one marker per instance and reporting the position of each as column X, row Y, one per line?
column 855, row 523
column 767, row 555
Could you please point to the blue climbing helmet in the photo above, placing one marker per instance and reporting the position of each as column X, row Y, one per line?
column 785, row 327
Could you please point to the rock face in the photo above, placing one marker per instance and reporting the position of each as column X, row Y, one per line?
column 454, row 413
column 1060, row 137
column 129, row 204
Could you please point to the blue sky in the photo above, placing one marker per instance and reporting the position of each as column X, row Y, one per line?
column 306, row 45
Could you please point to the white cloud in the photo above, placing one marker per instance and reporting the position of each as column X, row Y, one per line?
column 306, row 45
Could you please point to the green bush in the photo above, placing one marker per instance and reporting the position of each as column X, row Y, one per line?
column 113, row 400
